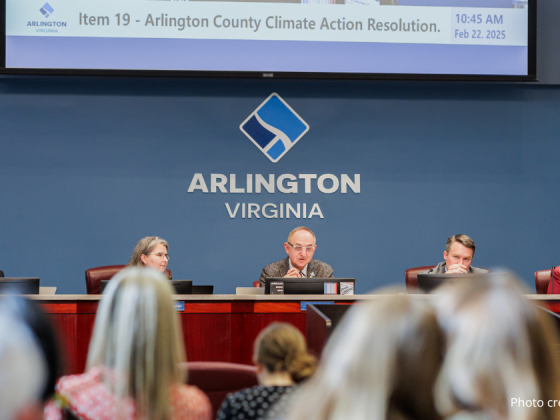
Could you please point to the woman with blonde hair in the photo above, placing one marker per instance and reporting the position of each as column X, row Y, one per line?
column 151, row 252
column 380, row 364
column 282, row 361
column 500, row 359
column 133, row 361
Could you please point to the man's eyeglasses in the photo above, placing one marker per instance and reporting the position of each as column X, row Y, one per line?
column 161, row 255
column 300, row 248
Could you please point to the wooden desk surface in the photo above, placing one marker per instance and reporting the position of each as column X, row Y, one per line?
column 351, row 298
column 213, row 298
column 215, row 327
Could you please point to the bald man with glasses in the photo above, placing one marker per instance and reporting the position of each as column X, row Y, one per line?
column 300, row 248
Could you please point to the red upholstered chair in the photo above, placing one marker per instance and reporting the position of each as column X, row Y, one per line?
column 217, row 379
column 411, row 274
column 542, row 279
column 106, row 272
column 256, row 283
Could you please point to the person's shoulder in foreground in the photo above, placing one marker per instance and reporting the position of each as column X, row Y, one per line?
column 458, row 256
column 300, row 247
column 252, row 403
column 189, row 402
column 87, row 397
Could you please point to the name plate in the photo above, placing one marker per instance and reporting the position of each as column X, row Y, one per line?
column 330, row 288
column 277, row 288
column 304, row 304
column 180, row 306
column 346, row 288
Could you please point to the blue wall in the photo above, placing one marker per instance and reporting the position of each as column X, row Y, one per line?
column 89, row 166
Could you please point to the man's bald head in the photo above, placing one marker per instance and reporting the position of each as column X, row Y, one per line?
column 291, row 235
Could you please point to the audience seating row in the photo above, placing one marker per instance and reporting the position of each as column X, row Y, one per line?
column 217, row 379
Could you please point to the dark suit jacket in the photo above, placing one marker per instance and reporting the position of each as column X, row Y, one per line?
column 315, row 268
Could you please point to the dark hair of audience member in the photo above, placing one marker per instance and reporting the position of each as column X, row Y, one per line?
column 381, row 363
column 281, row 348
column 30, row 313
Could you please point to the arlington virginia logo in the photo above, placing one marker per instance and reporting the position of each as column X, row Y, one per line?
column 47, row 10
column 274, row 127
column 46, row 27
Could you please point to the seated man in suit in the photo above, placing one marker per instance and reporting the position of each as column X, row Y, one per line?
column 458, row 256
column 300, row 263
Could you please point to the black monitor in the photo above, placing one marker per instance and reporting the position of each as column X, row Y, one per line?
column 429, row 282
column 182, row 287
column 202, row 290
column 19, row 285
column 309, row 286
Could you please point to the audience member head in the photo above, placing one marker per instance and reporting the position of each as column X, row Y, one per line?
column 500, row 350
column 22, row 370
column 31, row 314
column 137, row 338
column 381, row 363
column 300, row 247
column 151, row 252
column 281, row 354
column 459, row 249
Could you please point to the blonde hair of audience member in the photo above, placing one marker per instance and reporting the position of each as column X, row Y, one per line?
column 500, row 346
column 137, row 336
column 144, row 247
column 381, row 363
column 22, row 371
column 281, row 356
